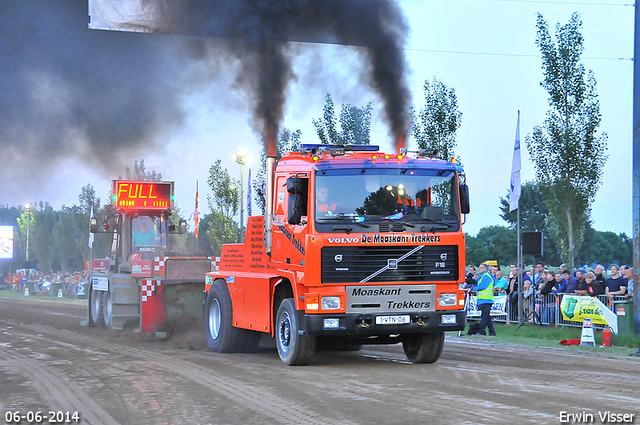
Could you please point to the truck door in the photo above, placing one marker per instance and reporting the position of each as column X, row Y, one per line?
column 291, row 216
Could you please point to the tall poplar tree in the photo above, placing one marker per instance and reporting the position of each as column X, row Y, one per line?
column 567, row 154
column 355, row 124
column 223, row 203
column 436, row 125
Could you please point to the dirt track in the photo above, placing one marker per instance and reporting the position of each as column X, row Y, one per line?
column 48, row 362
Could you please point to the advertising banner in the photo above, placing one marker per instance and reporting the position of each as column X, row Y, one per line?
column 497, row 309
column 578, row 308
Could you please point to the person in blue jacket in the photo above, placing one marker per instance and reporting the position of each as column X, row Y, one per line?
column 484, row 291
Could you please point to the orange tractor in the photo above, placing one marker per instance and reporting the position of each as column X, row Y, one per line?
column 145, row 281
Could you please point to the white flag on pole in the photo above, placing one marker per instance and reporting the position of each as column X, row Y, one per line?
column 90, row 234
column 515, row 187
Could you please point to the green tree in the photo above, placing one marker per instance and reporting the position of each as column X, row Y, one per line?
column 88, row 202
column 140, row 172
column 492, row 243
column 41, row 219
column 223, row 203
column 436, row 125
column 605, row 248
column 567, row 154
column 204, row 243
column 476, row 251
column 355, row 124
column 69, row 239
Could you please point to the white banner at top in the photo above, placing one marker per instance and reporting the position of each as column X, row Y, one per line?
column 125, row 15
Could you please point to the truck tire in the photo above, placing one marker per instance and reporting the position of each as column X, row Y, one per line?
column 96, row 308
column 423, row 347
column 222, row 337
column 294, row 348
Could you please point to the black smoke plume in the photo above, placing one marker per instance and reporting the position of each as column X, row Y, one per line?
column 104, row 97
column 68, row 92
column 258, row 28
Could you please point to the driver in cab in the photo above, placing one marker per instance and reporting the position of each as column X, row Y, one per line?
column 144, row 236
column 323, row 205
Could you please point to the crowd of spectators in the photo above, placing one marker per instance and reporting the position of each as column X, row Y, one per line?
column 539, row 281
column 69, row 281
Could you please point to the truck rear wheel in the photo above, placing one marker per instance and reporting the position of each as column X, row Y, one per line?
column 294, row 348
column 424, row 347
column 222, row 337
column 96, row 308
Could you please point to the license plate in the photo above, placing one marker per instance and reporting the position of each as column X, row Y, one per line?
column 392, row 320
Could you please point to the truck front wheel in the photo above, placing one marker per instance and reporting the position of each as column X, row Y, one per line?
column 294, row 348
column 423, row 347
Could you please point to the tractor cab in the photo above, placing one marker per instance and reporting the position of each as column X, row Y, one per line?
column 141, row 225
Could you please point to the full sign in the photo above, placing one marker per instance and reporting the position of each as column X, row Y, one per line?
column 134, row 195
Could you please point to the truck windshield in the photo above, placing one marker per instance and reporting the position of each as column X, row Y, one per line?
column 408, row 199
column 148, row 233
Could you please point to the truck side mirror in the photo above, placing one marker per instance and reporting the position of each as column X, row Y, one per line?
column 298, row 199
column 464, row 199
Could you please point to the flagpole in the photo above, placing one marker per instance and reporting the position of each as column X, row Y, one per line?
column 519, row 255
column 515, row 189
column 196, row 221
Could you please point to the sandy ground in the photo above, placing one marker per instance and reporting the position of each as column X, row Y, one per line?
column 49, row 363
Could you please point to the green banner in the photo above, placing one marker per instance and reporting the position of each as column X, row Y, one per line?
column 576, row 309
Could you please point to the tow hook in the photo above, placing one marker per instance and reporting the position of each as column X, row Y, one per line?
column 363, row 324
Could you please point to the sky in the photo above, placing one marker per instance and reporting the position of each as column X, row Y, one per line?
column 483, row 49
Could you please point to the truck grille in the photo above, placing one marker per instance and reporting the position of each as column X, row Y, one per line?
column 386, row 264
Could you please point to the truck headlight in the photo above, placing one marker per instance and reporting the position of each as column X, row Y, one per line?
column 330, row 303
column 447, row 300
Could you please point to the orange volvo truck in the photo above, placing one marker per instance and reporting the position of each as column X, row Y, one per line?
column 359, row 247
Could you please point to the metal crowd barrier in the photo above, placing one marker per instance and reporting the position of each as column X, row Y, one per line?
column 547, row 309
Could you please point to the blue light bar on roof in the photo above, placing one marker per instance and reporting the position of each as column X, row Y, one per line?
column 307, row 148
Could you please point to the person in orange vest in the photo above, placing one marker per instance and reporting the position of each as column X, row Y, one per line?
column 323, row 205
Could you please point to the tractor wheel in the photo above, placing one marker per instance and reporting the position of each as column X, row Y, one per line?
column 96, row 308
column 293, row 348
column 424, row 347
column 106, row 308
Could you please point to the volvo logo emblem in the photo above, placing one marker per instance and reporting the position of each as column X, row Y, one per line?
column 443, row 256
column 337, row 258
